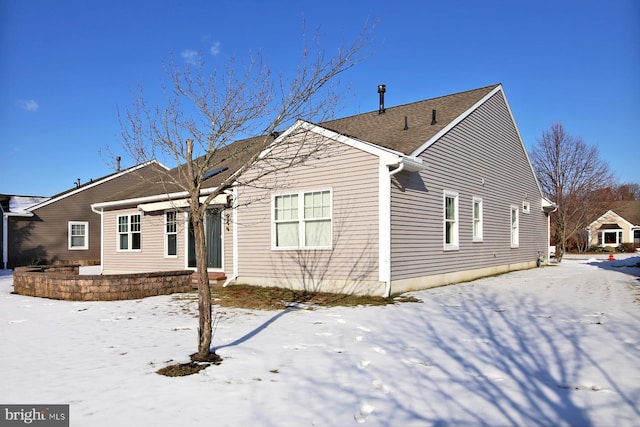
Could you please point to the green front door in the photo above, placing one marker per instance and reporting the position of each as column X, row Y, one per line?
column 213, row 239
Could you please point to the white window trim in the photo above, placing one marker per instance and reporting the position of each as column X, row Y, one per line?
column 86, row 236
column 618, row 234
column 479, row 236
column 301, row 221
column 456, row 221
column 129, row 233
column 166, row 234
column 514, row 232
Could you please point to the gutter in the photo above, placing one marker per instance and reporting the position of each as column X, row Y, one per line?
column 101, row 212
column 147, row 199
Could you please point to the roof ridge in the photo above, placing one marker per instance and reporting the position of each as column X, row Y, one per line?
column 492, row 86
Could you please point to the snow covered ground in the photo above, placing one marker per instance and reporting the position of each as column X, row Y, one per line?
column 557, row 345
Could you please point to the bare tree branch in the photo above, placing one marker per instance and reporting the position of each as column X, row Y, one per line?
column 208, row 116
column 571, row 174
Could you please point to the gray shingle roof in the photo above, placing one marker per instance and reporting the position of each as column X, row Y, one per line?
column 388, row 129
column 629, row 210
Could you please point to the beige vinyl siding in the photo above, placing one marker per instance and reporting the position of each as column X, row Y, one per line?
column 480, row 157
column 352, row 177
column 611, row 218
column 151, row 257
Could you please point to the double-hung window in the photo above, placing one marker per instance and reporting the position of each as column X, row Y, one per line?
column 450, row 220
column 477, row 219
column 78, row 235
column 302, row 220
column 171, row 233
column 515, row 227
column 129, row 232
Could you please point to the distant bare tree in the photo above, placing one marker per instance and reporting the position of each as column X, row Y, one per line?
column 630, row 191
column 571, row 174
column 207, row 110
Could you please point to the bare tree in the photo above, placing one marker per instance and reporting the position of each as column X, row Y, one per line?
column 630, row 191
column 572, row 175
column 207, row 110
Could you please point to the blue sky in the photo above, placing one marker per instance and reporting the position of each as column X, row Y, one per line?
column 66, row 66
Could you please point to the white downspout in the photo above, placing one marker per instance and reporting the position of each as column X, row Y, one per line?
column 101, row 213
column 396, row 170
column 387, row 229
column 5, row 240
column 549, row 233
column 234, row 234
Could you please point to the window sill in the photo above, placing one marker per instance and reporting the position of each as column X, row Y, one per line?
column 323, row 248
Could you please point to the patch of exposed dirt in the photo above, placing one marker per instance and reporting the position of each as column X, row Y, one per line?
column 196, row 365
column 272, row 298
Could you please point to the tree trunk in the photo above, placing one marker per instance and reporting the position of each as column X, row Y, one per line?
column 559, row 238
column 204, row 291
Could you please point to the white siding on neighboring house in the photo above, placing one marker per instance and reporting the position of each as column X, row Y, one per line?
column 480, row 158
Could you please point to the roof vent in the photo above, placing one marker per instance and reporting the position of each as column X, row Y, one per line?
column 381, row 90
column 433, row 117
column 406, row 123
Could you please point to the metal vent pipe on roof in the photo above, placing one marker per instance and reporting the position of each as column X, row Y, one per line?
column 381, row 90
column 433, row 117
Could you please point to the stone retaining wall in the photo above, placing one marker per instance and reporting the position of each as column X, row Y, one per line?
column 65, row 283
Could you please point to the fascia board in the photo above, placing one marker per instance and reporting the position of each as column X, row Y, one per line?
column 624, row 220
column 389, row 157
column 220, row 199
column 524, row 148
column 497, row 89
column 22, row 214
column 93, row 184
column 148, row 199
column 455, row 122
column 611, row 212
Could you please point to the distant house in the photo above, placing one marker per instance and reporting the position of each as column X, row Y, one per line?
column 403, row 198
column 63, row 228
column 617, row 226
column 12, row 206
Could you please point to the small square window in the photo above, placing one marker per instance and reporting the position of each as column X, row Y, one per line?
column 78, row 235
